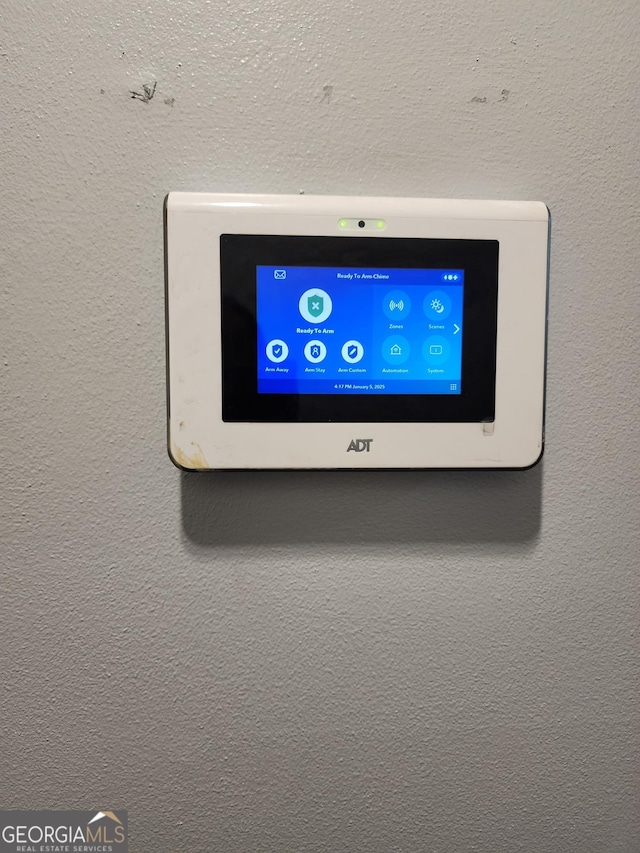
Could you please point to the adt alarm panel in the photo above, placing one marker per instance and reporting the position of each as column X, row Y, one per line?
column 344, row 332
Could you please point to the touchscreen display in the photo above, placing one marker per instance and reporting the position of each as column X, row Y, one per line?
column 319, row 329
column 359, row 331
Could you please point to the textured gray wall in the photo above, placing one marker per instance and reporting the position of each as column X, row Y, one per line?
column 275, row 663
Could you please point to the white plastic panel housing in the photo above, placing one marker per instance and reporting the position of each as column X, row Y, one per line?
column 199, row 439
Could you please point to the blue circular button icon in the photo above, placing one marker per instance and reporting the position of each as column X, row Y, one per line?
column 436, row 350
column 396, row 349
column 352, row 351
column 437, row 305
column 396, row 304
column 315, row 352
column 277, row 350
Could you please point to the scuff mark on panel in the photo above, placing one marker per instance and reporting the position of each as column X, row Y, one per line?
column 328, row 92
column 478, row 100
column 193, row 459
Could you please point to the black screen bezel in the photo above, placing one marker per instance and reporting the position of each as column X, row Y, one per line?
column 240, row 254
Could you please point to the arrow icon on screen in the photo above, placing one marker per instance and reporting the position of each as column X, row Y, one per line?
column 456, row 328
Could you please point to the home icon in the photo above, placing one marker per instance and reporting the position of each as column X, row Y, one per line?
column 395, row 350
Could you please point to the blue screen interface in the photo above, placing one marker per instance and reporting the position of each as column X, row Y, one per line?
column 346, row 330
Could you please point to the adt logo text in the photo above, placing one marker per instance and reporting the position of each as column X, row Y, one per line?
column 360, row 444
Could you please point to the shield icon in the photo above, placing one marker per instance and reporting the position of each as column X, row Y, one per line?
column 315, row 305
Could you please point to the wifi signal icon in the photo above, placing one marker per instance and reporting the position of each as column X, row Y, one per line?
column 396, row 304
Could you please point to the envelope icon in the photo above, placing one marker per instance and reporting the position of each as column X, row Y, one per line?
column 279, row 273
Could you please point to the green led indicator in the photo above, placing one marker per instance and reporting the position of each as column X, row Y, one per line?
column 380, row 223
column 343, row 223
